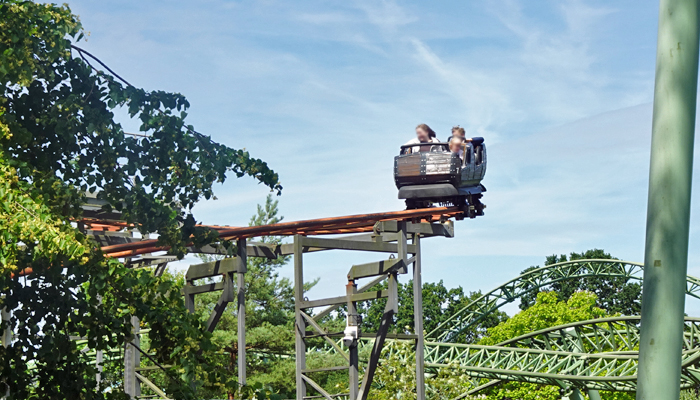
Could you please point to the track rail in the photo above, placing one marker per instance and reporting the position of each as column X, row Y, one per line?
column 322, row 226
column 598, row 354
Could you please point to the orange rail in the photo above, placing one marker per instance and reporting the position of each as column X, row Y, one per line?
column 322, row 226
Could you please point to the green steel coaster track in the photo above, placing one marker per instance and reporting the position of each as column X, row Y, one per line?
column 599, row 354
column 532, row 282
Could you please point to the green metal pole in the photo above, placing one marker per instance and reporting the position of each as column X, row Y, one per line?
column 668, row 213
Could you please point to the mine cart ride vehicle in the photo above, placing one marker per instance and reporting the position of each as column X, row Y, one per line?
column 430, row 173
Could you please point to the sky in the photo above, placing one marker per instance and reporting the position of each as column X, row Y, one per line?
column 326, row 92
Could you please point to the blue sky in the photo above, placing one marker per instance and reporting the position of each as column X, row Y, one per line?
column 325, row 92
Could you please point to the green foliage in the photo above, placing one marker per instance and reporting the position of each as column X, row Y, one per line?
column 548, row 311
column 59, row 112
column 58, row 140
column 395, row 380
column 615, row 295
column 269, row 320
column 439, row 303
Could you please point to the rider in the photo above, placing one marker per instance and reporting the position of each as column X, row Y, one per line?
column 456, row 145
column 423, row 135
column 457, row 131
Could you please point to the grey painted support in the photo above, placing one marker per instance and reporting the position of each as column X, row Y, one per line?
column 353, row 374
column 212, row 268
column 377, row 268
column 320, row 330
column 594, row 395
column 300, row 324
column 392, row 307
column 151, row 385
column 338, row 244
column 363, row 288
column 574, row 395
column 387, row 320
column 242, row 269
column 7, row 333
column 446, row 229
column 668, row 210
column 99, row 359
column 418, row 320
column 191, row 290
column 375, row 295
column 318, row 388
column 6, row 340
column 254, row 249
column 189, row 298
column 225, row 298
column 132, row 359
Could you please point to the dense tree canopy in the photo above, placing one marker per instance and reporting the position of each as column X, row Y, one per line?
column 615, row 295
column 60, row 139
column 439, row 303
column 395, row 381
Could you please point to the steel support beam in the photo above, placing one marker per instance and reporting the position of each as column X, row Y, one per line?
column 220, row 306
column 668, row 212
column 392, row 307
column 418, row 320
column 300, row 323
column 446, row 229
column 132, row 359
column 339, row 244
column 334, row 301
column 386, row 321
column 594, row 395
column 241, row 270
column 353, row 374
column 376, row 268
column 7, row 332
column 6, row 341
column 320, row 315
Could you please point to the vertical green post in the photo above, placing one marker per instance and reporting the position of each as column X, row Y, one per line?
column 668, row 213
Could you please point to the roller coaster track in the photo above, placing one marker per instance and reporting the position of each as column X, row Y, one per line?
column 323, row 226
column 599, row 354
column 531, row 282
column 589, row 355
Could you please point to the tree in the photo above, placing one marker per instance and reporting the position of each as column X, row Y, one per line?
column 269, row 317
column 616, row 295
column 547, row 312
column 58, row 140
column 439, row 303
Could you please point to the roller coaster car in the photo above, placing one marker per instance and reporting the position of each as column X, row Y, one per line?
column 431, row 173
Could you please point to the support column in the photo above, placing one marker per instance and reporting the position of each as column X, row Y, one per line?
column 99, row 359
column 354, row 375
column 7, row 332
column 6, row 340
column 574, row 395
column 300, row 324
column 594, row 395
column 418, row 320
column 242, row 269
column 131, row 362
column 668, row 213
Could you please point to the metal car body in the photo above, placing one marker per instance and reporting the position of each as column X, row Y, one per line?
column 431, row 173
